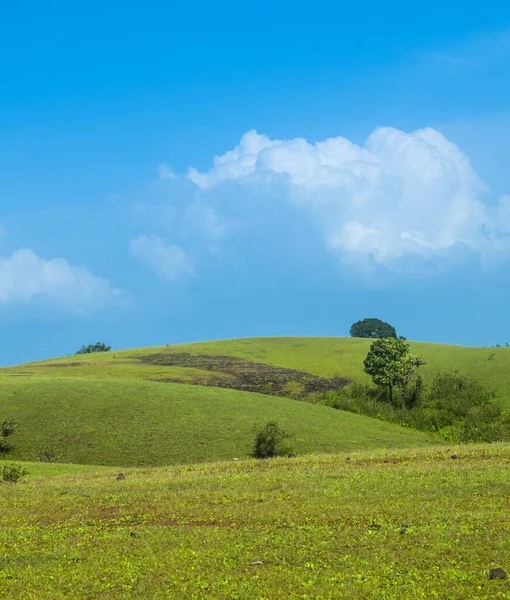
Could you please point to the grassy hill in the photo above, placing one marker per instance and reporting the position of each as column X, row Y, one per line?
column 162, row 405
column 400, row 525
column 321, row 357
column 131, row 422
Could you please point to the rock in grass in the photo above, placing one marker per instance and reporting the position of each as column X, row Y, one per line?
column 121, row 477
column 497, row 574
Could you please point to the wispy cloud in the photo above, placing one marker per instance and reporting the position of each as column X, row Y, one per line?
column 168, row 262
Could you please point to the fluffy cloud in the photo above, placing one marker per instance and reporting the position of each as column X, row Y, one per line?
column 25, row 276
column 399, row 195
column 168, row 262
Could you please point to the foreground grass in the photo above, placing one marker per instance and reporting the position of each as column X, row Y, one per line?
column 139, row 423
column 406, row 524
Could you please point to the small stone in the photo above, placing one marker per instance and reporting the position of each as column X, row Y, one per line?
column 235, row 459
column 497, row 574
column 121, row 477
column 257, row 562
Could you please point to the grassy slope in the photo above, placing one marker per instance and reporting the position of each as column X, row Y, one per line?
column 416, row 524
column 321, row 356
column 125, row 422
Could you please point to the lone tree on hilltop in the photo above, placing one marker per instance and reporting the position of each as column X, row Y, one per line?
column 372, row 328
column 99, row 347
column 390, row 363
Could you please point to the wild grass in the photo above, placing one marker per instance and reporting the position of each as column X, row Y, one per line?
column 407, row 524
column 128, row 422
column 321, row 356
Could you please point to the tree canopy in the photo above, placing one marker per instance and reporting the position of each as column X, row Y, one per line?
column 99, row 347
column 372, row 328
column 390, row 363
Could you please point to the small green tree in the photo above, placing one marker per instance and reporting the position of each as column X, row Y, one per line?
column 390, row 363
column 372, row 328
column 270, row 441
column 99, row 347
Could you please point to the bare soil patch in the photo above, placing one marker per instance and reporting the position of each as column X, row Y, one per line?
column 249, row 376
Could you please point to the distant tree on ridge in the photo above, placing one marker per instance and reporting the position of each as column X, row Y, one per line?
column 99, row 347
column 372, row 328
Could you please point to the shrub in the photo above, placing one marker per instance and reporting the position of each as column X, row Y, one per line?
column 270, row 441
column 13, row 472
column 7, row 428
column 454, row 406
column 99, row 347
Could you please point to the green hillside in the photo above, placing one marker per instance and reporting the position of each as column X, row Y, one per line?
column 408, row 524
column 319, row 356
column 129, row 422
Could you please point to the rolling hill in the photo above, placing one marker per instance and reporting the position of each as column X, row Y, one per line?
column 199, row 402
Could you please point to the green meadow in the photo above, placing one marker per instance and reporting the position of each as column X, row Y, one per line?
column 366, row 510
column 414, row 523
column 320, row 356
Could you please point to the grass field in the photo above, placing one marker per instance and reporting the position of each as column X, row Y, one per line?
column 409, row 524
column 322, row 357
column 138, row 407
column 128, row 422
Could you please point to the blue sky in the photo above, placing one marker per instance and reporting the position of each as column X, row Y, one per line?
column 176, row 172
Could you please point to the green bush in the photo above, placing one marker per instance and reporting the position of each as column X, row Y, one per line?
column 270, row 441
column 8, row 427
column 453, row 406
column 13, row 472
column 99, row 347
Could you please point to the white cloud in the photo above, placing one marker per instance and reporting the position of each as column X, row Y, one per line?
column 168, row 262
column 165, row 172
column 398, row 195
column 203, row 219
column 25, row 276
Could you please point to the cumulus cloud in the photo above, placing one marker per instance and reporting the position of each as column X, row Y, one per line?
column 24, row 276
column 398, row 195
column 168, row 262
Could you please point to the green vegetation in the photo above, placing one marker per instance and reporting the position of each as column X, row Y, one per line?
column 324, row 357
column 12, row 472
column 99, row 347
column 270, row 441
column 455, row 407
column 390, row 363
column 7, row 428
column 137, row 423
column 372, row 328
column 409, row 524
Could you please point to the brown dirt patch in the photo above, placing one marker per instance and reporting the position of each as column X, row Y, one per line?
column 249, row 376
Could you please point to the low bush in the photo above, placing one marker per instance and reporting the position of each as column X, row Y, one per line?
column 453, row 405
column 270, row 441
column 8, row 427
column 13, row 472
column 99, row 347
